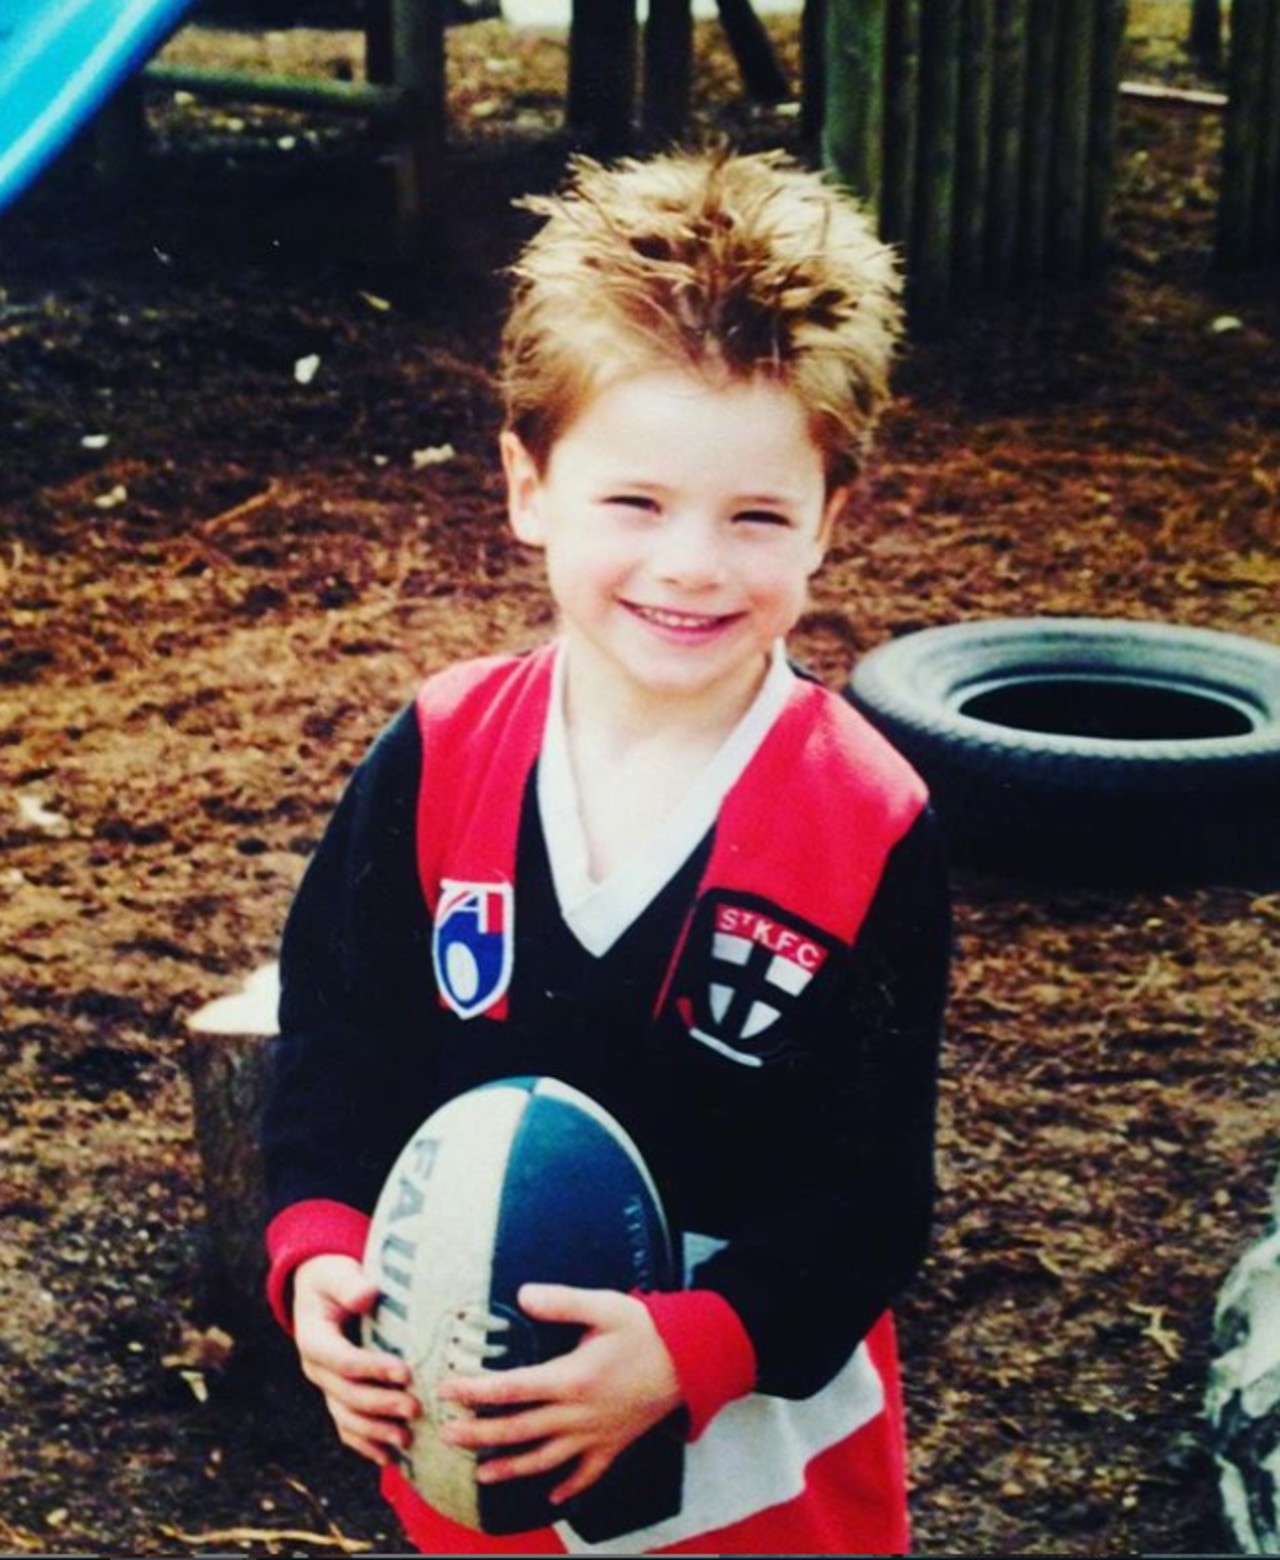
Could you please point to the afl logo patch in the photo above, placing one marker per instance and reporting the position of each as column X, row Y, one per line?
column 747, row 968
column 473, row 945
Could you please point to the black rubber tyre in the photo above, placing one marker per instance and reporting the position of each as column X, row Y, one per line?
column 1090, row 749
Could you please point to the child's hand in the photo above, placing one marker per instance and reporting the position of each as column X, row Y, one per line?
column 364, row 1388
column 589, row 1404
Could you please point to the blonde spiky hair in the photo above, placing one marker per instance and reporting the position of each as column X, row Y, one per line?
column 734, row 266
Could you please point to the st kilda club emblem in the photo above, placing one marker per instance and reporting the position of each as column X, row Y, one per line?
column 745, row 969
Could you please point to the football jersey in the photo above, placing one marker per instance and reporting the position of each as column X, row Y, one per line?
column 756, row 996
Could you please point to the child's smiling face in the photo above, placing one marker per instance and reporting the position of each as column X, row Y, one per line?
column 681, row 520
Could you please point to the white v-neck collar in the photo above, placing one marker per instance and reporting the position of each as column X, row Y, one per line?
column 598, row 913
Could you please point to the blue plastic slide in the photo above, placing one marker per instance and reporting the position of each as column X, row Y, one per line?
column 59, row 62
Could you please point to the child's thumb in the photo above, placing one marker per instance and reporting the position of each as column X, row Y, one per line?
column 360, row 1295
column 561, row 1303
column 345, row 1284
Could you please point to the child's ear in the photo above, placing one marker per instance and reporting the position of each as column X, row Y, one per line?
column 524, row 490
column 835, row 505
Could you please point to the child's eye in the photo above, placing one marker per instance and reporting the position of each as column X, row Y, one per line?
column 761, row 517
column 637, row 501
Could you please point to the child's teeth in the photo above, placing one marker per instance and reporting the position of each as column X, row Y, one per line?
column 675, row 619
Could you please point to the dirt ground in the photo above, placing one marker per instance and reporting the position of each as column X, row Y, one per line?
column 221, row 574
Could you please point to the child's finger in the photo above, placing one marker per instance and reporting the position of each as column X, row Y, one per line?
column 327, row 1349
column 563, row 1303
column 525, row 1387
column 377, row 1439
column 543, row 1458
column 370, row 1401
column 589, row 1467
column 477, row 1433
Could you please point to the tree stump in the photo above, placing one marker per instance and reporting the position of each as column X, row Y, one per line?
column 228, row 1061
column 227, row 1049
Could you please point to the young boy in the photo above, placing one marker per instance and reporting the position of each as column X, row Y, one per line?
column 652, row 861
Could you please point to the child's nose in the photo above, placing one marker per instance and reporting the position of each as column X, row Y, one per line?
column 689, row 553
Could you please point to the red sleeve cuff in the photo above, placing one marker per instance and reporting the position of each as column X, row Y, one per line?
column 316, row 1228
column 713, row 1356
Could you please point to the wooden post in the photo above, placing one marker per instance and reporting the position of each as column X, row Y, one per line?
column 813, row 71
column 1073, row 81
column 1241, row 133
column 668, row 68
column 120, row 137
column 377, row 41
column 930, row 284
column 418, row 67
column 751, row 46
column 1267, row 187
column 853, row 125
column 984, row 131
column 973, row 141
column 1110, row 25
column 1205, row 36
column 602, row 71
column 901, row 121
column 1042, row 53
column 1008, row 132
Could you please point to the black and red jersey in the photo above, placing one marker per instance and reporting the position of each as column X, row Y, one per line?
column 757, row 998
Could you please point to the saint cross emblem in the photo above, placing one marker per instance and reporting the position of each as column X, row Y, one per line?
column 749, row 979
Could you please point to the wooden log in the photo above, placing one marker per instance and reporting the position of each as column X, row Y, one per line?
column 1008, row 128
column 1173, row 97
column 603, row 40
column 228, row 1074
column 901, row 121
column 374, row 101
column 929, row 289
column 973, row 142
column 668, row 69
column 1070, row 158
column 1235, row 237
column 1110, row 28
column 227, row 1058
column 853, row 125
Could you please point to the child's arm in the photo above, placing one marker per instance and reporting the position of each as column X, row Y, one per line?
column 839, row 1220
column 351, row 1067
column 589, row 1405
column 348, row 1084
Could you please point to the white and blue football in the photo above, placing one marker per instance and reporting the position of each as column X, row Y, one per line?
column 523, row 1180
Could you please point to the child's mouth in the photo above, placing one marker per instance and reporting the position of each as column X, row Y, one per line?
column 693, row 624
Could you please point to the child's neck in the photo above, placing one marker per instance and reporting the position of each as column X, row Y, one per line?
column 634, row 760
